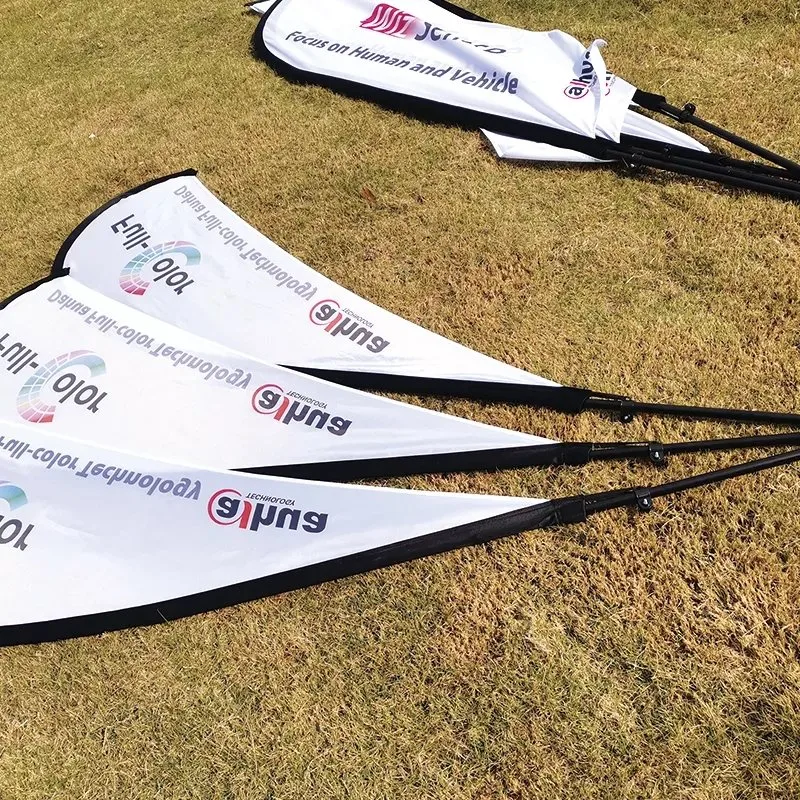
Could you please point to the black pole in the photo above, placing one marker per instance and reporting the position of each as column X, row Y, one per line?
column 627, row 408
column 736, row 443
column 707, row 172
column 705, row 158
column 642, row 497
column 746, row 170
column 686, row 115
column 706, row 478
column 657, row 452
column 568, row 399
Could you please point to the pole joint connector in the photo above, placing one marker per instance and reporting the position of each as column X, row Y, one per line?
column 626, row 411
column 644, row 500
column 657, row 453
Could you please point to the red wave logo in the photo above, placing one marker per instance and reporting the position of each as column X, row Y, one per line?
column 391, row 21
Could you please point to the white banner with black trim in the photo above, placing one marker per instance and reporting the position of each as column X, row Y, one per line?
column 421, row 50
column 450, row 37
column 89, row 367
column 633, row 124
column 436, row 60
column 173, row 250
column 92, row 539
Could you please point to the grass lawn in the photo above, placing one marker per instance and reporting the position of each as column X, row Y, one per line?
column 631, row 657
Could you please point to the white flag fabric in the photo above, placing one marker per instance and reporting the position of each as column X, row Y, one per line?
column 437, row 61
column 92, row 539
column 634, row 124
column 173, row 250
column 419, row 49
column 261, row 7
column 614, row 116
column 89, row 367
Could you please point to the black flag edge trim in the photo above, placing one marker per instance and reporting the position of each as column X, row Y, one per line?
column 542, row 515
column 58, row 270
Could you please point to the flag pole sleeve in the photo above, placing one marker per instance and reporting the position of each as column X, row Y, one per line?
column 540, row 455
column 560, row 398
column 627, row 408
column 642, row 496
column 569, row 399
column 657, row 453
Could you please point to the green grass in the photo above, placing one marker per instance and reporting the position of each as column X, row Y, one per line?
column 654, row 657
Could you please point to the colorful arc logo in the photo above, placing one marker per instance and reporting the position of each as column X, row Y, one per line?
column 159, row 258
column 30, row 404
column 13, row 495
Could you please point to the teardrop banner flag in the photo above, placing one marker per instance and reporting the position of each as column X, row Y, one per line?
column 171, row 249
column 95, row 369
column 441, row 62
column 99, row 371
column 93, row 540
column 633, row 124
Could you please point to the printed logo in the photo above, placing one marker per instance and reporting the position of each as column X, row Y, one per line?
column 161, row 263
column 393, row 21
column 228, row 507
column 581, row 86
column 13, row 530
column 336, row 321
column 56, row 382
column 270, row 400
column 13, row 495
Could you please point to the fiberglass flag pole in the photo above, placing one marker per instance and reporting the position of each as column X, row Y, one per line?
column 436, row 61
column 94, row 540
column 89, row 367
column 687, row 116
column 172, row 249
